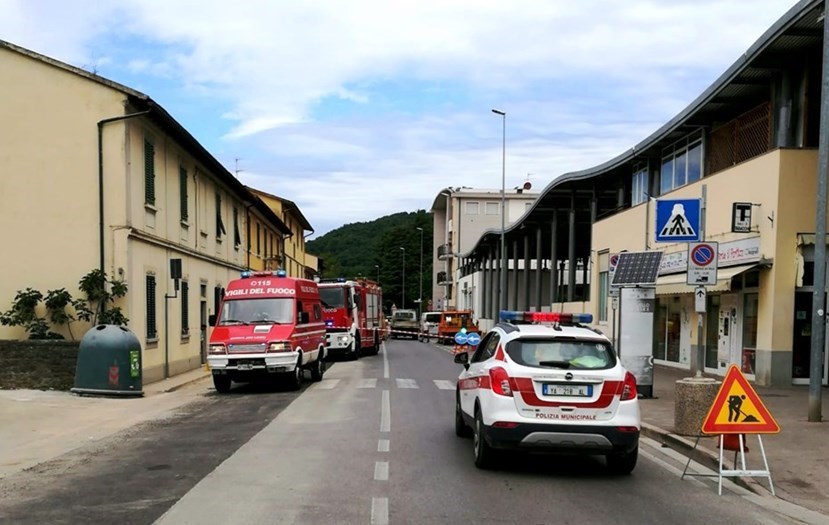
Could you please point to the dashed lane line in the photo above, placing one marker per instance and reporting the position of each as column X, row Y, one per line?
column 406, row 383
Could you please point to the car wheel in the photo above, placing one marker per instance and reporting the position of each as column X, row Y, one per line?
column 461, row 429
column 623, row 463
column 295, row 377
column 484, row 454
column 222, row 383
column 318, row 369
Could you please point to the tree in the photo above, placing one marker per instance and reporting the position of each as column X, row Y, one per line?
column 100, row 291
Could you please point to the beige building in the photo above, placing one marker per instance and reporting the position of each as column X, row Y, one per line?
column 750, row 139
column 99, row 176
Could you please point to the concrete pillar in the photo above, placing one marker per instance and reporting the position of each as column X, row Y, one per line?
column 526, row 272
column 554, row 259
column 571, row 251
column 514, row 294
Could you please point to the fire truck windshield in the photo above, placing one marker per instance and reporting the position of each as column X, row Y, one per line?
column 332, row 297
column 258, row 311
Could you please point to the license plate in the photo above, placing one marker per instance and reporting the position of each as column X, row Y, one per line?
column 244, row 366
column 553, row 389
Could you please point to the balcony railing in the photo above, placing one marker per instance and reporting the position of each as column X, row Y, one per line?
column 443, row 279
column 444, row 251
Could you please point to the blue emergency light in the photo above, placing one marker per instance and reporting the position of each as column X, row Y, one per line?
column 246, row 274
column 281, row 273
column 545, row 317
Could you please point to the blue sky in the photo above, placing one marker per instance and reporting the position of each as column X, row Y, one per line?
column 359, row 109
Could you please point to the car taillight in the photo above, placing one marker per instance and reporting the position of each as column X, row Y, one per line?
column 499, row 381
column 629, row 388
column 217, row 349
column 279, row 346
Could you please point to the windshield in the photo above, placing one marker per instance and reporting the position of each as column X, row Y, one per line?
column 562, row 353
column 431, row 318
column 332, row 297
column 258, row 311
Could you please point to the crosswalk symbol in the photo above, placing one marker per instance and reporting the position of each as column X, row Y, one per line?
column 678, row 224
column 737, row 409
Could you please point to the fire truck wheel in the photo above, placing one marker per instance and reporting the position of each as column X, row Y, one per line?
column 295, row 377
column 318, row 368
column 375, row 349
column 222, row 383
column 355, row 349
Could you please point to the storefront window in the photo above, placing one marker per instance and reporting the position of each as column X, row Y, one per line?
column 712, row 321
column 750, row 307
column 659, row 334
column 667, row 330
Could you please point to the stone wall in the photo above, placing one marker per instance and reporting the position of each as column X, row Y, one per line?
column 39, row 365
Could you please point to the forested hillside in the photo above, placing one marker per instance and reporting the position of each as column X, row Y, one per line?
column 373, row 248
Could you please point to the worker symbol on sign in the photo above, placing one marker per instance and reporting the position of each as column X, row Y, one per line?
column 734, row 412
column 678, row 224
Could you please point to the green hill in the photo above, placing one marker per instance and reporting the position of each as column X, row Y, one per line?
column 358, row 249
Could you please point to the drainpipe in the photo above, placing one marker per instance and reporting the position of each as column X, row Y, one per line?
column 101, row 124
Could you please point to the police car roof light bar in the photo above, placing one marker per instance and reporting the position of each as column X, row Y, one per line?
column 546, row 317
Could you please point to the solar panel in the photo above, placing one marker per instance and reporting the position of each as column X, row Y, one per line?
column 636, row 268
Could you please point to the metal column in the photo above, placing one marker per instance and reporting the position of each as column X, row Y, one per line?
column 515, row 274
column 571, row 251
column 538, row 269
column 554, row 260
column 527, row 272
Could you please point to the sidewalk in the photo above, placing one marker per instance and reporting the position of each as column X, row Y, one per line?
column 797, row 456
column 38, row 426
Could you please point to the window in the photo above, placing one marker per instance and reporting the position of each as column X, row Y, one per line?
column 493, row 208
column 486, row 348
column 220, row 225
column 750, row 315
column 185, row 309
column 258, row 239
column 472, row 208
column 218, row 293
column 149, row 172
column 603, row 292
column 639, row 185
column 237, row 238
column 182, row 176
column 317, row 312
column 152, row 327
column 681, row 163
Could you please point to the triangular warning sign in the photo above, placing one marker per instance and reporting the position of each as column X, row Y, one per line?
column 678, row 224
column 737, row 409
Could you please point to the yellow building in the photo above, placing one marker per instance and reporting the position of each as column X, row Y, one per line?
column 296, row 261
column 749, row 139
column 99, row 176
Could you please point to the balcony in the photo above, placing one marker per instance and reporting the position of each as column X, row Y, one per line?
column 444, row 252
column 443, row 280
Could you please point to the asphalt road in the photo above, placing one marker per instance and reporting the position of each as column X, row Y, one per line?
column 373, row 443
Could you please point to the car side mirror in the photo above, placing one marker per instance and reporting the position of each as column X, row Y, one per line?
column 211, row 320
column 462, row 359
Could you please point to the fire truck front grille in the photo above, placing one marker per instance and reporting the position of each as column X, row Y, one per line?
column 246, row 349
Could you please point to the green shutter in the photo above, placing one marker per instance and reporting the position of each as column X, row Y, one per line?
column 185, row 308
column 149, row 172
column 220, row 225
column 183, row 192
column 152, row 329
column 237, row 239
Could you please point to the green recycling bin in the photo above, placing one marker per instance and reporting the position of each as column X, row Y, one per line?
column 109, row 362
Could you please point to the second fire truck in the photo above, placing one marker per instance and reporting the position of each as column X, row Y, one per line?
column 354, row 322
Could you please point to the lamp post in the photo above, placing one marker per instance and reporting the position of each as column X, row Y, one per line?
column 420, row 293
column 378, row 272
column 503, row 273
column 403, row 290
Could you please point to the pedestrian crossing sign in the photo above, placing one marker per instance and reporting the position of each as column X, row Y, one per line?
column 678, row 220
column 737, row 409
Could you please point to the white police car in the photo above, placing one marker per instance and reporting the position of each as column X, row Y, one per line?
column 543, row 381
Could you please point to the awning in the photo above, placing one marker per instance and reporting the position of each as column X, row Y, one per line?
column 676, row 284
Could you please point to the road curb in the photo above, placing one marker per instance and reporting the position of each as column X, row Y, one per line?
column 181, row 384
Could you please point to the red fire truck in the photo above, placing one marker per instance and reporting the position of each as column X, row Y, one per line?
column 269, row 325
column 353, row 311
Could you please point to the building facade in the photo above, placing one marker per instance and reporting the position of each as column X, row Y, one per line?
column 97, row 176
column 750, row 138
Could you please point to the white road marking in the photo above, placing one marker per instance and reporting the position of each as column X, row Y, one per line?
column 383, row 445
column 381, row 471
column 367, row 383
column 326, row 384
column 379, row 511
column 406, row 383
column 444, row 384
column 385, row 413
column 385, row 361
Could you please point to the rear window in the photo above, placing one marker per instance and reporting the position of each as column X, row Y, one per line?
column 561, row 353
column 432, row 318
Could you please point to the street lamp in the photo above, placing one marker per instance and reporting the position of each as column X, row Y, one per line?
column 403, row 290
column 378, row 272
column 503, row 281
column 420, row 293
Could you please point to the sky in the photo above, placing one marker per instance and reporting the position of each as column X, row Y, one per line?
column 360, row 109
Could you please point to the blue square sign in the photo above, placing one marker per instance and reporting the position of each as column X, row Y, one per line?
column 678, row 220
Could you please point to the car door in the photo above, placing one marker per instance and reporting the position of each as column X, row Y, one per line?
column 470, row 379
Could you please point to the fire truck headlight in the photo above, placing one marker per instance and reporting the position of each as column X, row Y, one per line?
column 279, row 346
column 218, row 350
column 343, row 339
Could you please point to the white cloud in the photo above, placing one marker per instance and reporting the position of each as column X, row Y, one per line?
column 369, row 107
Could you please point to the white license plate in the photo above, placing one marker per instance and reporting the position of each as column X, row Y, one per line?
column 244, row 366
column 552, row 389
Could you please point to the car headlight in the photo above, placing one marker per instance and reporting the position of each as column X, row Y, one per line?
column 217, row 349
column 343, row 339
column 279, row 346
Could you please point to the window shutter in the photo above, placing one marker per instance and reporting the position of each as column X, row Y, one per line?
column 185, row 308
column 220, row 225
column 183, row 193
column 237, row 239
column 152, row 327
column 149, row 172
